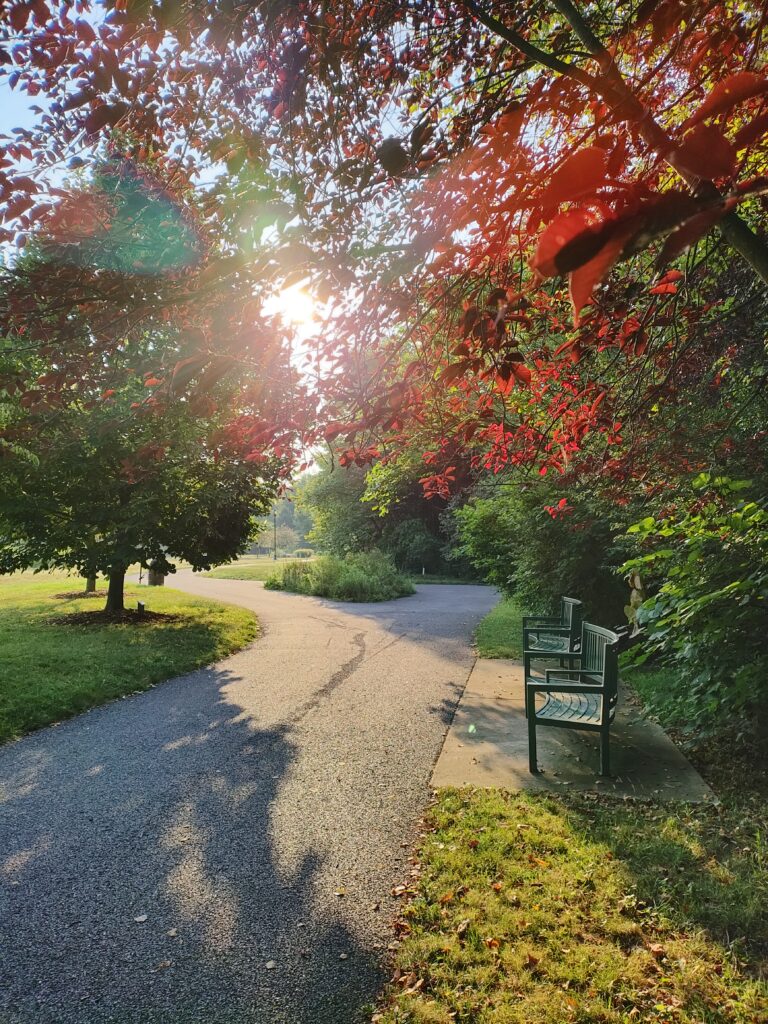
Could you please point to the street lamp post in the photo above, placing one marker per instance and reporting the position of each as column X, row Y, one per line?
column 274, row 535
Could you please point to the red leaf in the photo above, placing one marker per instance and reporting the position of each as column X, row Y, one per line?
column 453, row 372
column 583, row 280
column 663, row 289
column 691, row 231
column 510, row 122
column 706, row 153
column 732, row 90
column 558, row 234
column 106, row 114
column 19, row 15
column 582, row 173
column 672, row 275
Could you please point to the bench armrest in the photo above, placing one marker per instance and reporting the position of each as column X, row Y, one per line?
column 539, row 655
column 566, row 675
column 542, row 620
column 563, row 686
column 549, row 630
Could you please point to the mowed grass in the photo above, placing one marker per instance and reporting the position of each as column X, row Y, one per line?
column 499, row 634
column 249, row 567
column 51, row 671
column 541, row 910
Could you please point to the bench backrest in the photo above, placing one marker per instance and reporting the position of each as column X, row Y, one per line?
column 570, row 616
column 600, row 656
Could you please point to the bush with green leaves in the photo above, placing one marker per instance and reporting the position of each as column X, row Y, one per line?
column 708, row 565
column 361, row 576
column 537, row 545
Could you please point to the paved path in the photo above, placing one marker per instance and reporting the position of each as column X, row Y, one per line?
column 157, row 854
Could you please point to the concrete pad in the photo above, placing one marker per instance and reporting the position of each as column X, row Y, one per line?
column 487, row 746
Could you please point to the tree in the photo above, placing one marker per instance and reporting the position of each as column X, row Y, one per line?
column 101, row 489
column 595, row 143
column 120, row 466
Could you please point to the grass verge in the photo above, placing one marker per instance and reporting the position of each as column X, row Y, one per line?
column 247, row 569
column 553, row 910
column 51, row 670
column 499, row 634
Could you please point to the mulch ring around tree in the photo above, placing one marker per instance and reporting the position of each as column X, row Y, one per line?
column 131, row 617
column 78, row 595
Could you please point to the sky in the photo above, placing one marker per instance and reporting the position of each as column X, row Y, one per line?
column 14, row 109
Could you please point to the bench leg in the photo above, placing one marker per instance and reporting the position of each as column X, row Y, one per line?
column 533, row 766
column 605, row 753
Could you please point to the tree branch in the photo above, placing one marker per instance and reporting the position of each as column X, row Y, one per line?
column 613, row 89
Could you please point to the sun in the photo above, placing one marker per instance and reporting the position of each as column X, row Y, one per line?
column 293, row 305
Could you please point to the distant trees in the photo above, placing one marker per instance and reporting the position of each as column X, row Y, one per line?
column 356, row 508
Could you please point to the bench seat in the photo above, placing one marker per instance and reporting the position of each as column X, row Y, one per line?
column 570, row 709
column 546, row 643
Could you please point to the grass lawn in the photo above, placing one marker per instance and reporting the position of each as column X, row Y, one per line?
column 499, row 634
column 250, row 567
column 541, row 910
column 52, row 670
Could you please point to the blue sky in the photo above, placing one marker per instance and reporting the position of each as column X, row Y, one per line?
column 14, row 109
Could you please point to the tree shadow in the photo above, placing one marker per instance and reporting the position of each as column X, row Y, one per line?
column 141, row 896
column 697, row 867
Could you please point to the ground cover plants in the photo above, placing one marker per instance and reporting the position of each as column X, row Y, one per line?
column 52, row 668
column 364, row 576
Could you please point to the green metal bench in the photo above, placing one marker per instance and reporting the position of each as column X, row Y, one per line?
column 577, row 698
column 551, row 636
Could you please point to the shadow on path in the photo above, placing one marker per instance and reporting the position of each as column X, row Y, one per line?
column 122, row 890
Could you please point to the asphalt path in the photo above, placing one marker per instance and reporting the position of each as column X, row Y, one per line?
column 221, row 849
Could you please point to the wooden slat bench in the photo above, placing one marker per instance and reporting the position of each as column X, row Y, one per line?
column 551, row 636
column 577, row 698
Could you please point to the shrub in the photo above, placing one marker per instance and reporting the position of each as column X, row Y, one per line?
column 708, row 563
column 361, row 576
column 536, row 546
column 303, row 553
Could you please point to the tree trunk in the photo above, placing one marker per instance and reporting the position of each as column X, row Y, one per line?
column 116, row 592
column 90, row 584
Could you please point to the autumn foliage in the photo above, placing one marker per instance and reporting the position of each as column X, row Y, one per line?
column 529, row 220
